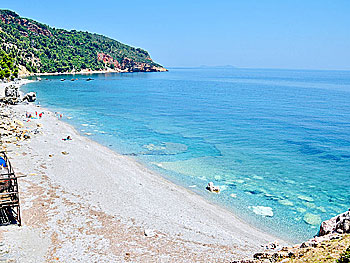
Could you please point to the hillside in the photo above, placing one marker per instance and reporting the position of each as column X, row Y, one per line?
column 39, row 48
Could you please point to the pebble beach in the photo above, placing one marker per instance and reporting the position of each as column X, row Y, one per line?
column 83, row 202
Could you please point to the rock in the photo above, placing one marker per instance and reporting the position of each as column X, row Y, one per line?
column 210, row 187
column 262, row 255
column 285, row 202
column 338, row 224
column 11, row 91
column 30, row 97
column 305, row 198
column 262, row 210
column 272, row 245
column 312, row 219
column 149, row 233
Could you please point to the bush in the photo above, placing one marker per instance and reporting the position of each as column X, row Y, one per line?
column 345, row 256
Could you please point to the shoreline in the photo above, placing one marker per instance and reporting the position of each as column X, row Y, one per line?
column 133, row 197
column 87, row 72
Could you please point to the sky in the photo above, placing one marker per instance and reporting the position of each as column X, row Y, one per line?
column 294, row 34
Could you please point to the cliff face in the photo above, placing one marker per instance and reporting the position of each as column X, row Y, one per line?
column 128, row 65
column 12, row 18
column 43, row 49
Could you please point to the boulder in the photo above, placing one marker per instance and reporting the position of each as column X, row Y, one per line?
column 11, row 91
column 210, row 187
column 30, row 97
column 338, row 224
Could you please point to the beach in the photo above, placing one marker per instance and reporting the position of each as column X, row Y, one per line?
column 82, row 202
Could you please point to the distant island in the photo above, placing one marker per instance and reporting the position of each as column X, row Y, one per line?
column 29, row 47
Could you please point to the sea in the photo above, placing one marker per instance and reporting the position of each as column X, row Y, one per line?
column 276, row 142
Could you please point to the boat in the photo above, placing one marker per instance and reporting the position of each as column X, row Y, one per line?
column 88, row 79
column 72, row 80
column 63, row 79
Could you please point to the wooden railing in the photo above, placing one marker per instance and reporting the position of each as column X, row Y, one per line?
column 9, row 196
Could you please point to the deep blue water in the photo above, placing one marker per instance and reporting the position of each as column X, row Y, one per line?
column 278, row 139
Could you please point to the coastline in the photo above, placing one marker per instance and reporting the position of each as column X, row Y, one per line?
column 88, row 71
column 93, row 203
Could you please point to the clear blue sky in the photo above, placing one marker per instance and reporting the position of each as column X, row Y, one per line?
column 300, row 34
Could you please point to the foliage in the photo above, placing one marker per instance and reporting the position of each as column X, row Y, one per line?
column 345, row 256
column 41, row 48
column 8, row 70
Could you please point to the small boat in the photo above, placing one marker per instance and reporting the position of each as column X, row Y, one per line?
column 89, row 79
column 39, row 79
column 72, row 80
column 63, row 79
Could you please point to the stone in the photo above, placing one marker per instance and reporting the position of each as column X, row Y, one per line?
column 11, row 91
column 30, row 97
column 149, row 233
column 272, row 245
column 212, row 188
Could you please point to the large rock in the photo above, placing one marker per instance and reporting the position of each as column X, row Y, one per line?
column 30, row 97
column 338, row 224
column 11, row 91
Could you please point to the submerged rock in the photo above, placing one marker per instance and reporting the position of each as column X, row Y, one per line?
column 312, row 219
column 305, row 198
column 262, row 210
column 285, row 202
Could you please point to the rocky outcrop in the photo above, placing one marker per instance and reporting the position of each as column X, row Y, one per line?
column 339, row 224
column 134, row 66
column 128, row 65
column 332, row 240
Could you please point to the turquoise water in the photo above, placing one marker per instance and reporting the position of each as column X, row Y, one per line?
column 277, row 142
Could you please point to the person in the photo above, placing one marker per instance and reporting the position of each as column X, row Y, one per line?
column 67, row 139
column 40, row 115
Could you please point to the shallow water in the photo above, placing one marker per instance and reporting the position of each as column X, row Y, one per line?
column 277, row 142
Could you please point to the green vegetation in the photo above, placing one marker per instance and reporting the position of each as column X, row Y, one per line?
column 8, row 70
column 41, row 48
column 345, row 256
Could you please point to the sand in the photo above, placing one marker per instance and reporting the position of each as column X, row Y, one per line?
column 82, row 202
